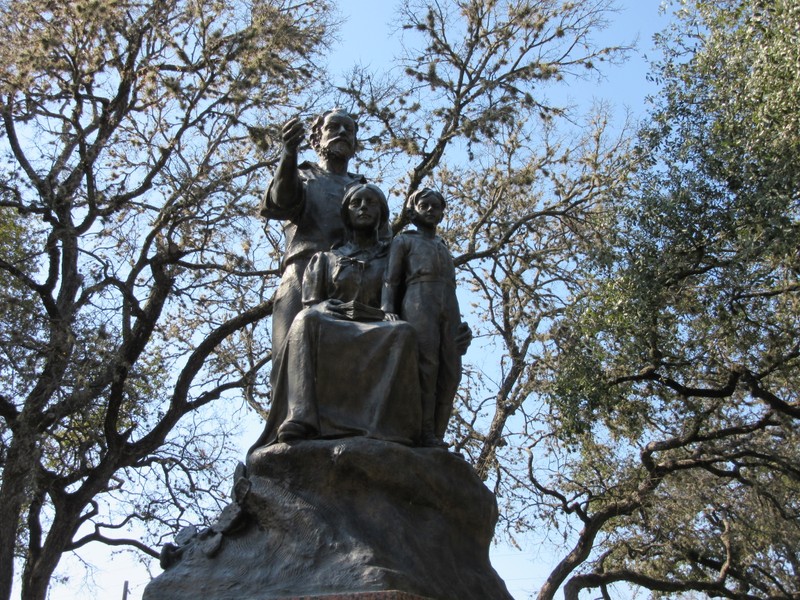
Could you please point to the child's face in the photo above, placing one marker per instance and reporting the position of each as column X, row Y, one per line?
column 428, row 211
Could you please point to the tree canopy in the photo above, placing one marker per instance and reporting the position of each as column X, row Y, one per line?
column 637, row 296
column 674, row 383
column 130, row 153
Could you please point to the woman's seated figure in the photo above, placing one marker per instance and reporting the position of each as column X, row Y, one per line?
column 347, row 368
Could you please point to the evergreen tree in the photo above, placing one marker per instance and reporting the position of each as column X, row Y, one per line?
column 675, row 372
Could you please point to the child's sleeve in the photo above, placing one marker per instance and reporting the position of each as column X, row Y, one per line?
column 393, row 276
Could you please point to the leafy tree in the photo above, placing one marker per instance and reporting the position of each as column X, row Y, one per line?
column 467, row 111
column 673, row 378
column 527, row 180
column 129, row 266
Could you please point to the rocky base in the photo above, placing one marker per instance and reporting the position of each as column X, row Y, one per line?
column 390, row 595
column 342, row 517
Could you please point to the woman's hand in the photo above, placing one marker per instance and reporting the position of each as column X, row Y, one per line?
column 334, row 306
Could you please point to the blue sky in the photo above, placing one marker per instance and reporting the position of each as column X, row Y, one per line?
column 365, row 38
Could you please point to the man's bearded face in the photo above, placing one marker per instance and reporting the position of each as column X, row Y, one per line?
column 338, row 136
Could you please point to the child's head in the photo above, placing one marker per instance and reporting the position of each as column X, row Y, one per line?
column 426, row 207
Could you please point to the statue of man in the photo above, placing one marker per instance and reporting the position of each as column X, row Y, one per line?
column 308, row 199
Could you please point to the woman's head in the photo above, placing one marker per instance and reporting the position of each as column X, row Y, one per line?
column 360, row 197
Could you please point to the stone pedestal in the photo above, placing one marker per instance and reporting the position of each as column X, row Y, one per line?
column 350, row 518
column 390, row 595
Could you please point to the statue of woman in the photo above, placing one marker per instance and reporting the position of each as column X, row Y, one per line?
column 347, row 368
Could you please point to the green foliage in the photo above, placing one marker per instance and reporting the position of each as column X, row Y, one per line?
column 682, row 346
column 17, row 304
column 744, row 84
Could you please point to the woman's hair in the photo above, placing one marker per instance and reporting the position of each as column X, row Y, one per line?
column 351, row 191
column 419, row 194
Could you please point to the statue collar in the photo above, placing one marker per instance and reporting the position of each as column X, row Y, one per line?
column 350, row 250
column 313, row 171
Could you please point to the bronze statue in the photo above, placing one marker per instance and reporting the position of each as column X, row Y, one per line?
column 307, row 197
column 346, row 368
column 420, row 287
column 356, row 509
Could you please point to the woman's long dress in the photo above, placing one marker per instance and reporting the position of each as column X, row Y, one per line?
column 347, row 375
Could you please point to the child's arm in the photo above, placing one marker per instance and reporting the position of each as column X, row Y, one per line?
column 393, row 277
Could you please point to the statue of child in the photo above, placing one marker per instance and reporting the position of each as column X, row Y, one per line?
column 420, row 287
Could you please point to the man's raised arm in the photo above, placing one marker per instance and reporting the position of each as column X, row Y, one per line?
column 284, row 191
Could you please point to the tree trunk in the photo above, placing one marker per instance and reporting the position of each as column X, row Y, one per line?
column 20, row 464
column 37, row 574
column 39, row 568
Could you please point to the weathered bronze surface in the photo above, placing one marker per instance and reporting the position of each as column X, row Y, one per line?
column 344, row 368
column 350, row 489
column 421, row 288
column 343, row 516
column 307, row 198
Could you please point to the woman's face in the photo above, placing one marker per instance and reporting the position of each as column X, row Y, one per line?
column 364, row 210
